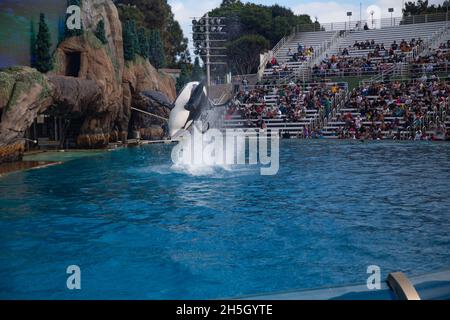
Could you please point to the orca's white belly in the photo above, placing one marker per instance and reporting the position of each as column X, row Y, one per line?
column 179, row 115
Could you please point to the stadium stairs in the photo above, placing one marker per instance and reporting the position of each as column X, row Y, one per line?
column 329, row 43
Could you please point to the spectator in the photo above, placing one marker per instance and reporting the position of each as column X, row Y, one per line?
column 289, row 53
column 394, row 46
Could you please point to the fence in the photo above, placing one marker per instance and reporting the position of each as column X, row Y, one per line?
column 373, row 23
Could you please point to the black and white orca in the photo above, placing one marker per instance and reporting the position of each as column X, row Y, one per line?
column 188, row 107
column 192, row 105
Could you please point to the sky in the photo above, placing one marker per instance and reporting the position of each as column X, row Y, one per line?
column 324, row 10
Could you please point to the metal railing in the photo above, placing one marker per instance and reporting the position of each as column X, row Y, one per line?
column 304, row 72
column 437, row 117
column 342, row 29
column 429, row 43
column 273, row 52
column 374, row 23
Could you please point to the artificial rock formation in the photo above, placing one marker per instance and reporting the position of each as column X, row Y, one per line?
column 149, row 128
column 24, row 93
column 90, row 81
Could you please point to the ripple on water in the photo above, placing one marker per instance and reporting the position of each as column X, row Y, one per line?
column 140, row 227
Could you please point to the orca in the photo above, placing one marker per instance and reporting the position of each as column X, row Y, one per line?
column 192, row 105
column 185, row 106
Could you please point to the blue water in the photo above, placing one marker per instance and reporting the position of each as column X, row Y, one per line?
column 139, row 229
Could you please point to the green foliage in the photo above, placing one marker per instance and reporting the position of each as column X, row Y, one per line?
column 422, row 7
column 16, row 81
column 144, row 46
column 44, row 61
column 100, row 32
column 128, row 42
column 131, row 13
column 197, row 71
column 156, row 50
column 131, row 45
column 134, row 37
column 184, row 78
column 226, row 3
column 185, row 56
column 243, row 53
column 257, row 26
column 271, row 22
column 156, row 15
column 7, row 81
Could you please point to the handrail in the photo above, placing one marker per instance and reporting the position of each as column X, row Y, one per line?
column 274, row 51
column 377, row 23
column 305, row 69
column 429, row 43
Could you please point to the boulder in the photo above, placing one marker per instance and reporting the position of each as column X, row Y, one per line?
column 141, row 76
column 91, row 82
column 24, row 94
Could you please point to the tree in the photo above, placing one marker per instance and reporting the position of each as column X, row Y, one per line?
column 100, row 32
column 197, row 71
column 226, row 3
column 144, row 46
column 174, row 41
column 270, row 23
column 243, row 53
column 422, row 7
column 185, row 56
column 131, row 13
column 156, row 53
column 134, row 37
column 184, row 78
column 128, row 44
column 44, row 62
column 157, row 14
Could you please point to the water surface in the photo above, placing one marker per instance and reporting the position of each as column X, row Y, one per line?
column 140, row 229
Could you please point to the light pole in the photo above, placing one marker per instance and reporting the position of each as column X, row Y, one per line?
column 372, row 13
column 391, row 10
column 360, row 16
column 349, row 15
column 446, row 17
column 204, row 30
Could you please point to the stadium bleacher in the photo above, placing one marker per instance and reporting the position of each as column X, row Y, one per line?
column 410, row 104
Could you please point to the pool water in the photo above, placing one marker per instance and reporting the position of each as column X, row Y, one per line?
column 140, row 229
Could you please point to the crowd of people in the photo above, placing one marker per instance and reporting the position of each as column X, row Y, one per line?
column 433, row 63
column 386, row 110
column 444, row 45
column 395, row 110
column 280, row 70
column 352, row 66
column 403, row 46
column 303, row 53
column 391, row 109
column 378, row 59
column 291, row 102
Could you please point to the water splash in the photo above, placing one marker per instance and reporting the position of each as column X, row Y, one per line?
column 207, row 153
